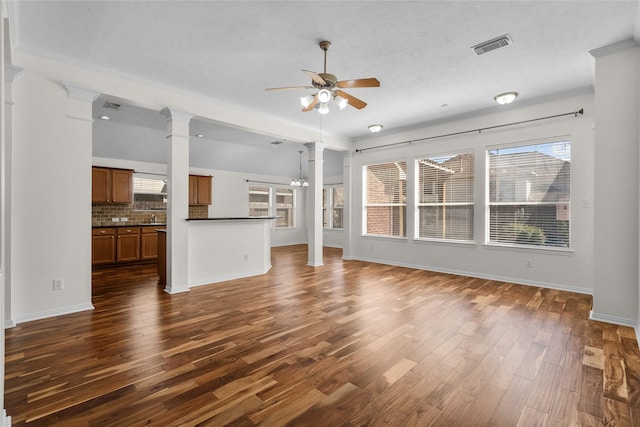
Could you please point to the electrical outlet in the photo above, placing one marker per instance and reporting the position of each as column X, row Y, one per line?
column 115, row 219
column 124, row 219
column 58, row 284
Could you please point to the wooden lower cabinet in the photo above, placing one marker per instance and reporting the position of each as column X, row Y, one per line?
column 112, row 245
column 103, row 246
column 149, row 243
column 128, row 244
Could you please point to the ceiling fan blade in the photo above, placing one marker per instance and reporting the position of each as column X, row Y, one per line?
column 313, row 103
column 352, row 100
column 289, row 88
column 315, row 77
column 369, row 82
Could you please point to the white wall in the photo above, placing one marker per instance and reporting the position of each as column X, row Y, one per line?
column 563, row 270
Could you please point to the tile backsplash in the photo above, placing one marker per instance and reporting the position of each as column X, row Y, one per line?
column 102, row 214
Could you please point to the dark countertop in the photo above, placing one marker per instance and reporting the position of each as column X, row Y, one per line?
column 231, row 218
column 127, row 224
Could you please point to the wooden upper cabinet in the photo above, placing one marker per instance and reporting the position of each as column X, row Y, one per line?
column 111, row 185
column 121, row 186
column 199, row 190
column 204, row 190
column 100, row 185
column 193, row 190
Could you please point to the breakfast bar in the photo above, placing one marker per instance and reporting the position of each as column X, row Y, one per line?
column 226, row 248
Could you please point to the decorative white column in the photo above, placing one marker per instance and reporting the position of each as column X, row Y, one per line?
column 177, row 199
column 11, row 74
column 314, row 215
column 347, row 182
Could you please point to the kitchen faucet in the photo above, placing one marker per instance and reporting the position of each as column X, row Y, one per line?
column 154, row 219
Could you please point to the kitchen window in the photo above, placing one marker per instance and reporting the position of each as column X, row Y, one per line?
column 149, row 193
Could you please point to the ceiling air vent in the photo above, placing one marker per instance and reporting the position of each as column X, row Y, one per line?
column 111, row 105
column 492, row 44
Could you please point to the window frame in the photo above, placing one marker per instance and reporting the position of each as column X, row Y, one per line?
column 328, row 207
column 366, row 206
column 272, row 203
column 418, row 193
column 488, row 195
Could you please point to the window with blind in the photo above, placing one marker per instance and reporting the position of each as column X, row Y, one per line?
column 285, row 207
column 332, row 207
column 259, row 201
column 445, row 197
column 385, row 207
column 529, row 194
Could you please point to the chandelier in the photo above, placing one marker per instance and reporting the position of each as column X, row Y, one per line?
column 299, row 182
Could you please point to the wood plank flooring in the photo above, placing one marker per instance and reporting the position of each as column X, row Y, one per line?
column 348, row 343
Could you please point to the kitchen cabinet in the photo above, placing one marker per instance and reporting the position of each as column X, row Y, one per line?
column 149, row 242
column 128, row 244
column 103, row 246
column 113, row 245
column 111, row 185
column 199, row 190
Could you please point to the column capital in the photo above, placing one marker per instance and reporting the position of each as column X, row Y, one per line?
column 80, row 93
column 315, row 146
column 12, row 72
column 171, row 114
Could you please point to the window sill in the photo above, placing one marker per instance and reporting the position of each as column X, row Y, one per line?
column 333, row 229
column 531, row 249
column 425, row 241
column 385, row 237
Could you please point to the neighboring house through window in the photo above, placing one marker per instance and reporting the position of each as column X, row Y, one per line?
column 385, row 199
column 332, row 206
column 530, row 194
column 445, row 197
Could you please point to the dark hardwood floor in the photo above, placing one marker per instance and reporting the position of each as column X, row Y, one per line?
column 348, row 343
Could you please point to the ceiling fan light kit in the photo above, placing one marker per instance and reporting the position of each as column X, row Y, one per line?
column 375, row 128
column 329, row 88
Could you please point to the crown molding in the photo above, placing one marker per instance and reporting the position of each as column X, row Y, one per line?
column 613, row 48
column 12, row 72
column 80, row 93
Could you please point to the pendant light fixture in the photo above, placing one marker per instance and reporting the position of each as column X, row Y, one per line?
column 299, row 182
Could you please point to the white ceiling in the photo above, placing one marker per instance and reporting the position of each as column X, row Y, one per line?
column 230, row 51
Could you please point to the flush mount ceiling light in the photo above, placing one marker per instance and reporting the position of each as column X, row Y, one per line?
column 330, row 89
column 506, row 98
column 104, row 117
column 375, row 128
column 199, row 135
column 299, row 182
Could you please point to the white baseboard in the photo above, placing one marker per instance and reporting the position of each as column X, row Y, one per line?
column 9, row 323
column 517, row 281
column 224, row 278
column 637, row 329
column 52, row 313
column 6, row 420
column 614, row 320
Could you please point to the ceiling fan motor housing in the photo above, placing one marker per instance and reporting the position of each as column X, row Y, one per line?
column 330, row 81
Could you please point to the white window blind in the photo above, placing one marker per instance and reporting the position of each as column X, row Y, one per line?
column 259, row 201
column 446, row 197
column 386, row 199
column 332, row 207
column 285, row 207
column 530, row 194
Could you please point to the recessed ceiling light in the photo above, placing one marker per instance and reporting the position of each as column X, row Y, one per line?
column 444, row 105
column 375, row 128
column 199, row 135
column 506, row 98
column 103, row 117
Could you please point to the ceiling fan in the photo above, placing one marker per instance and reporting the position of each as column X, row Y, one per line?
column 330, row 88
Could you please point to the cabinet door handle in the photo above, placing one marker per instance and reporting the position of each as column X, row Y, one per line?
column 103, row 232
column 111, row 237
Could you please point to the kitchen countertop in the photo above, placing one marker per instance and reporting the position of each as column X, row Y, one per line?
column 127, row 224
